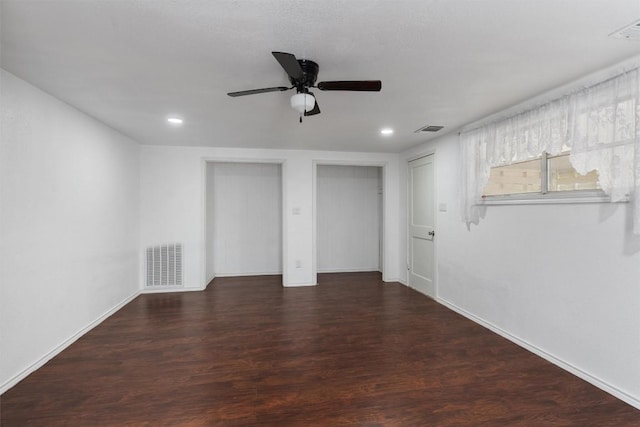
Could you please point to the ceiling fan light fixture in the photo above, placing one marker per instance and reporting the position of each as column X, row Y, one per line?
column 303, row 102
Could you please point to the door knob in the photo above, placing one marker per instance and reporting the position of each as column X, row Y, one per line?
column 432, row 233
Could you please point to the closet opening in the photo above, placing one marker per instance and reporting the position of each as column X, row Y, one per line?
column 349, row 218
column 243, row 219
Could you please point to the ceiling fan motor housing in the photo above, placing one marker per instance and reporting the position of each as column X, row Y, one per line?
column 309, row 75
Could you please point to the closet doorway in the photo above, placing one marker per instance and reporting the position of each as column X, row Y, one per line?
column 349, row 215
column 243, row 219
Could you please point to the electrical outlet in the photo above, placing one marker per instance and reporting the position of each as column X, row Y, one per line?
column 298, row 263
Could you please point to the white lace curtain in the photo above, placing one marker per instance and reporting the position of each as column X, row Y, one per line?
column 599, row 124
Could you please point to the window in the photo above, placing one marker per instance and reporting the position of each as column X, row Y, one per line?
column 598, row 123
column 546, row 176
column 563, row 177
column 516, row 178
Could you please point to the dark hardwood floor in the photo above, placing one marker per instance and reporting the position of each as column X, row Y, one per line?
column 351, row 352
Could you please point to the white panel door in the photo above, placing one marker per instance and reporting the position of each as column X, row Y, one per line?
column 421, row 225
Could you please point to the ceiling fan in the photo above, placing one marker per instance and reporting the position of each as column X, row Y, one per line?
column 302, row 75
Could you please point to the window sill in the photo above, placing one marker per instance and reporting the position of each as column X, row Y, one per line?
column 549, row 198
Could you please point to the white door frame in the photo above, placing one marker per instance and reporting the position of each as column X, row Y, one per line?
column 383, row 165
column 435, row 217
column 283, row 167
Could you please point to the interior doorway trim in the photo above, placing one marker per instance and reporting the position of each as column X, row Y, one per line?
column 314, row 220
column 203, row 179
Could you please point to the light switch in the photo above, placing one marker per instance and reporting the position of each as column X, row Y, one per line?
column 442, row 207
column 295, row 211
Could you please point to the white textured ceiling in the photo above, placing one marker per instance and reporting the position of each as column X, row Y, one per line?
column 132, row 63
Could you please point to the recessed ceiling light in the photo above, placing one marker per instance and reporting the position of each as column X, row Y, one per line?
column 175, row 120
column 386, row 131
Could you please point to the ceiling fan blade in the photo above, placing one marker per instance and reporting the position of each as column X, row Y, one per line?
column 354, row 85
column 290, row 64
column 315, row 110
column 254, row 91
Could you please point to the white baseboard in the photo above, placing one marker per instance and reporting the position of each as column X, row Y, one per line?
column 58, row 349
column 347, row 270
column 248, row 274
column 296, row 285
column 170, row 289
column 614, row 391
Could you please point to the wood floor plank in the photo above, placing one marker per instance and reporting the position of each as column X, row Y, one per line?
column 352, row 351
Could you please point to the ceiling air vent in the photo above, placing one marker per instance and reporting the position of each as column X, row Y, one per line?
column 628, row 32
column 429, row 128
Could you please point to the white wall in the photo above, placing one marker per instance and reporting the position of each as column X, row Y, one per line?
column 245, row 211
column 347, row 218
column 210, row 265
column 561, row 279
column 173, row 204
column 68, row 225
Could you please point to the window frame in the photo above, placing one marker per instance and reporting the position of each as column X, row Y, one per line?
column 545, row 196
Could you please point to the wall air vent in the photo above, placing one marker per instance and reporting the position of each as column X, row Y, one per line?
column 164, row 265
column 628, row 32
column 429, row 128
